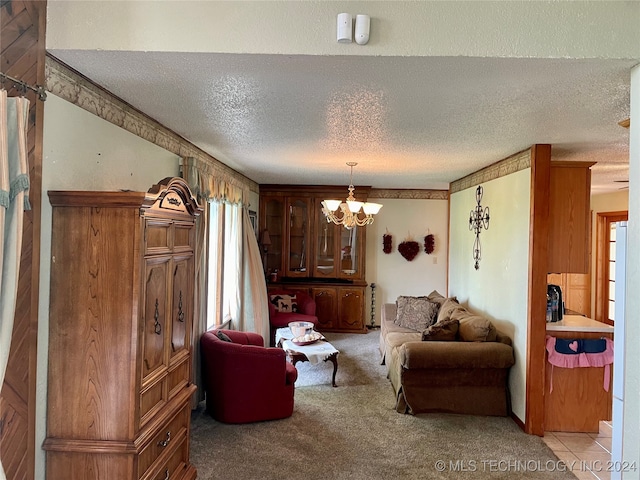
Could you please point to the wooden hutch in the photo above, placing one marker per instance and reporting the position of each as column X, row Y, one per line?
column 324, row 260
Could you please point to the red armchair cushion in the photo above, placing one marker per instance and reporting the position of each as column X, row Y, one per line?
column 245, row 381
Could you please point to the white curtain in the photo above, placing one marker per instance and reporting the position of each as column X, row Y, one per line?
column 255, row 311
column 14, row 187
column 232, row 264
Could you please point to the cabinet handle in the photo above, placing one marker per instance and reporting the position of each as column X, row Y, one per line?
column 166, row 474
column 157, row 328
column 165, row 442
column 180, row 312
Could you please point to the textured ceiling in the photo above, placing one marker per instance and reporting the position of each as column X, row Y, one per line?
column 410, row 122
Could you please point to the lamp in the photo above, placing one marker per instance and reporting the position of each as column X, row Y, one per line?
column 265, row 240
column 350, row 208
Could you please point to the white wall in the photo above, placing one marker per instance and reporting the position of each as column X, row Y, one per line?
column 499, row 288
column 392, row 274
column 84, row 152
column 631, row 432
column 425, row 28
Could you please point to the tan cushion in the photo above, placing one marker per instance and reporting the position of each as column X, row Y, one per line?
column 444, row 331
column 436, row 297
column 416, row 313
column 447, row 308
column 476, row 328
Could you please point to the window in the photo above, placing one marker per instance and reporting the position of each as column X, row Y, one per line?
column 606, row 265
column 225, row 261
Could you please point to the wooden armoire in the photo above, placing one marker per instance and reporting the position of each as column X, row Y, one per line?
column 120, row 334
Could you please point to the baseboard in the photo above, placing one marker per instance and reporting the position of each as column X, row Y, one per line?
column 519, row 422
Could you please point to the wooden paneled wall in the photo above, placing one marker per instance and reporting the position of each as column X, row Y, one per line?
column 22, row 55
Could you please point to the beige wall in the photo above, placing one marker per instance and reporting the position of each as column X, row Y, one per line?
column 84, row 152
column 498, row 289
column 392, row 274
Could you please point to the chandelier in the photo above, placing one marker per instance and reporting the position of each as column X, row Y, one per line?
column 350, row 208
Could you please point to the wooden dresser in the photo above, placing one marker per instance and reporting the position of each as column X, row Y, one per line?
column 120, row 334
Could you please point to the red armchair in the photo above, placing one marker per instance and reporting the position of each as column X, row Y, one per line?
column 245, row 381
column 303, row 311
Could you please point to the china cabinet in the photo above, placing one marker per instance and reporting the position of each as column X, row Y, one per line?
column 120, row 334
column 323, row 259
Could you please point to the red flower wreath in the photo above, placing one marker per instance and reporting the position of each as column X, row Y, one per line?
column 409, row 249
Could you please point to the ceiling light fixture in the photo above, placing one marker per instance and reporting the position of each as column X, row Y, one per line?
column 350, row 208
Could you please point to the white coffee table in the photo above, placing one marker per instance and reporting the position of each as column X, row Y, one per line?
column 314, row 353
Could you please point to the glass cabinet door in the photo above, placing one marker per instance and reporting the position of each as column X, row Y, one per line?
column 298, row 236
column 326, row 244
column 272, row 235
column 349, row 251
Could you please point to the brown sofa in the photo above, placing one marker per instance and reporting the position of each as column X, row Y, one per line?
column 466, row 377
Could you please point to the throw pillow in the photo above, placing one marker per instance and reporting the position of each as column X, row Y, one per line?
column 436, row 297
column 476, row 328
column 416, row 313
column 223, row 336
column 448, row 307
column 444, row 331
column 284, row 303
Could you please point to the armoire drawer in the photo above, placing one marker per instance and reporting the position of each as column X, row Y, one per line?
column 175, row 467
column 167, row 437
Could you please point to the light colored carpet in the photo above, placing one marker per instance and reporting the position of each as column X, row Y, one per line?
column 353, row 432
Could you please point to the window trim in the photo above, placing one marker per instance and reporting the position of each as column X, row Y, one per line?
column 603, row 220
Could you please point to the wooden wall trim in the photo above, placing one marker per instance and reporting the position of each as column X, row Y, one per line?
column 22, row 53
column 536, row 322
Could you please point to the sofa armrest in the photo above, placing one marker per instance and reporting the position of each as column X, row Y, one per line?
column 429, row 355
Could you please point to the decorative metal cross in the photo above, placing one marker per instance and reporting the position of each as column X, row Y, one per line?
column 478, row 218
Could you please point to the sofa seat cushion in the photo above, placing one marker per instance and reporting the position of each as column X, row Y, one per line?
column 445, row 355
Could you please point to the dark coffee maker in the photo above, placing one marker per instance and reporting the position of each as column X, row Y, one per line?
column 555, row 304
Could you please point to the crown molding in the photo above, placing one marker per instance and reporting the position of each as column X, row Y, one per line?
column 509, row 165
column 407, row 194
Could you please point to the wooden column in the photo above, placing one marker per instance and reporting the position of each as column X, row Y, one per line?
column 538, row 252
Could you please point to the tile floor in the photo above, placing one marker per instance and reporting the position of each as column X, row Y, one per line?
column 586, row 454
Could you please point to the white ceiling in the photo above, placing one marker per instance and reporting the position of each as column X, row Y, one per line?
column 410, row 121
